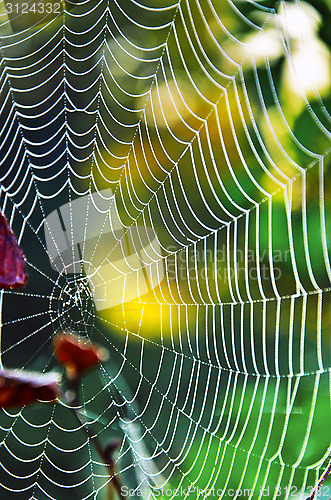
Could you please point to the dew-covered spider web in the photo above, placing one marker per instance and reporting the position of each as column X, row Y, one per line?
column 164, row 167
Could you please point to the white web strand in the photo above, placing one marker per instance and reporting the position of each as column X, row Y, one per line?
column 167, row 204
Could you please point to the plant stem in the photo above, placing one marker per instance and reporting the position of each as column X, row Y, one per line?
column 104, row 453
column 321, row 481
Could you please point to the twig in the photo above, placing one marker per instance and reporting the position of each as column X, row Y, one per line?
column 106, row 454
column 321, row 481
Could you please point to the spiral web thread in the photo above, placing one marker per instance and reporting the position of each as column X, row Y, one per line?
column 174, row 127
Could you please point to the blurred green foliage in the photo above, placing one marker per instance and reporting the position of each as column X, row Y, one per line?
column 218, row 460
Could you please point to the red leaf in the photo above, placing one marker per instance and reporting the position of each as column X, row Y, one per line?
column 19, row 388
column 76, row 355
column 12, row 263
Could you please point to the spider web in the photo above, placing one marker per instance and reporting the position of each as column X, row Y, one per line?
column 163, row 166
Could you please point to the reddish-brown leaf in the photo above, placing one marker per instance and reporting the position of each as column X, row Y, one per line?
column 12, row 263
column 19, row 388
column 77, row 355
